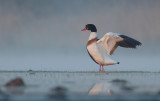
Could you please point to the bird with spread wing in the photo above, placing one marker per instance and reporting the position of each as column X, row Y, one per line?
column 99, row 49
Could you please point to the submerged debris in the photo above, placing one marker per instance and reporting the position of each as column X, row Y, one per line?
column 30, row 70
column 15, row 86
column 15, row 82
column 58, row 93
column 123, row 85
column 127, row 88
column 119, row 81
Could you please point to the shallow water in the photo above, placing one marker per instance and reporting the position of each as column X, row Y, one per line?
column 55, row 85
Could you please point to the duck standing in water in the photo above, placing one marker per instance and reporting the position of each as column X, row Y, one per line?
column 99, row 49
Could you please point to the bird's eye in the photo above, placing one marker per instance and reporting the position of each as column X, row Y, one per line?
column 86, row 27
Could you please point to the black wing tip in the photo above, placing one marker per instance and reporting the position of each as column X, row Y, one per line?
column 138, row 44
column 118, row 62
column 131, row 43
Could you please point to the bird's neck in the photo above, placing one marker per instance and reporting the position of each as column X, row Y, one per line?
column 92, row 35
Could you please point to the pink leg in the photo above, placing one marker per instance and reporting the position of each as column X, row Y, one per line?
column 99, row 67
column 102, row 68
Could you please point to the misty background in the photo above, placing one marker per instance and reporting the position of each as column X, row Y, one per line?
column 46, row 34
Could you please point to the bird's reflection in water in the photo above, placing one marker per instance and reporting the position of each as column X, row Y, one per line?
column 116, row 86
column 101, row 88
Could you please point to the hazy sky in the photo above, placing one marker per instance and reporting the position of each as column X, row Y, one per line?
column 46, row 33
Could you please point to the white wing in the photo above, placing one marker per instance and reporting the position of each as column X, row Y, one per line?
column 110, row 41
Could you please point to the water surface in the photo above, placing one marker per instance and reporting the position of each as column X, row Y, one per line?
column 81, row 85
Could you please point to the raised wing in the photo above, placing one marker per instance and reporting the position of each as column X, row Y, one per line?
column 110, row 41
